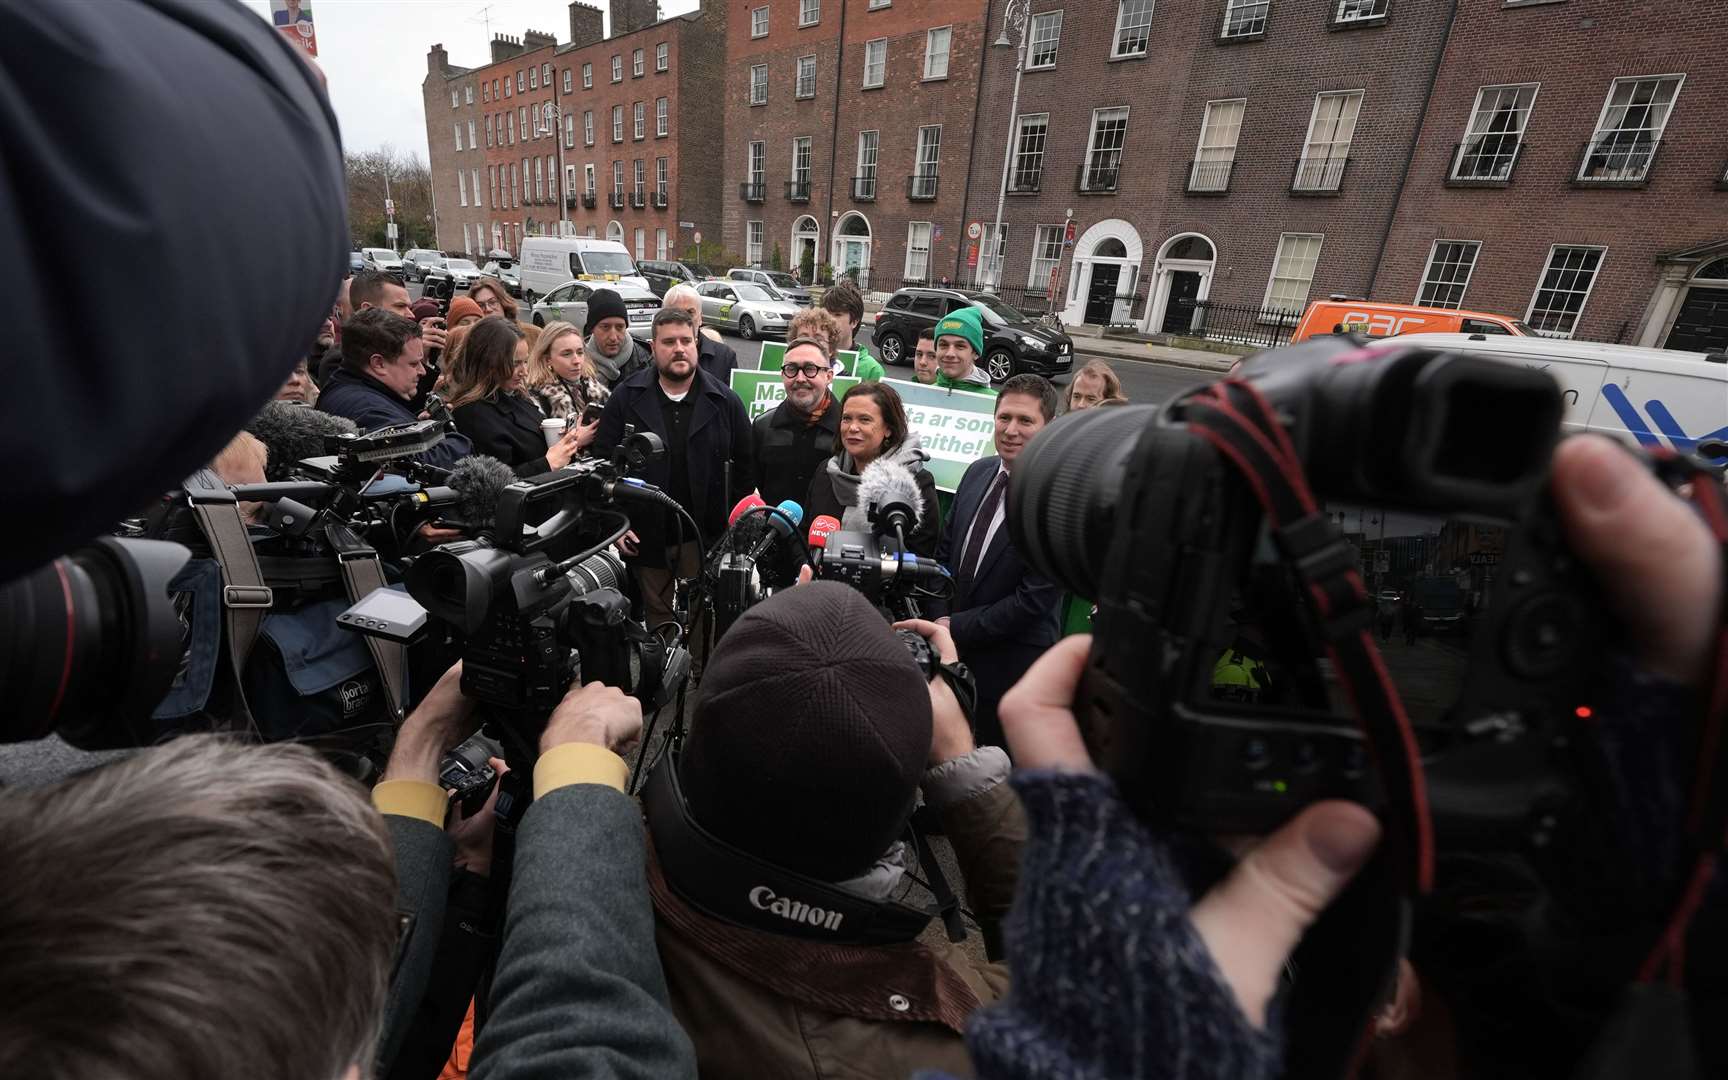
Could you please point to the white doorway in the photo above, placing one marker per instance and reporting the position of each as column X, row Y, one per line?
column 806, row 242
column 1181, row 278
column 852, row 249
column 1105, row 273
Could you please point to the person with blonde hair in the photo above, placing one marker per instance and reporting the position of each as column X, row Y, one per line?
column 816, row 324
column 490, row 406
column 1093, row 385
column 559, row 379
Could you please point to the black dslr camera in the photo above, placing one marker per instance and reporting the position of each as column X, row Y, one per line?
column 1227, row 661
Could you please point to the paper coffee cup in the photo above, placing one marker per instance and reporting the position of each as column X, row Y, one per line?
column 553, row 430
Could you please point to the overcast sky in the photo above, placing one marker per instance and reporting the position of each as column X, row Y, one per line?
column 373, row 53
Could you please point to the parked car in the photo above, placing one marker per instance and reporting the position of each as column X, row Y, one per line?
column 417, row 261
column 383, row 259
column 1338, row 315
column 1651, row 397
column 662, row 274
column 1014, row 343
column 749, row 309
column 569, row 303
column 779, row 284
column 356, row 262
column 507, row 271
column 458, row 273
column 550, row 261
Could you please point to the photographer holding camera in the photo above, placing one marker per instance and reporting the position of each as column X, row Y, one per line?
column 779, row 847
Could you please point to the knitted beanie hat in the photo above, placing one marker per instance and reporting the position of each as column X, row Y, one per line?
column 967, row 323
column 811, row 734
column 424, row 308
column 461, row 308
column 604, row 304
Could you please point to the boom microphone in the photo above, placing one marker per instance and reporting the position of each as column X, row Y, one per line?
column 292, row 432
column 890, row 495
column 478, row 481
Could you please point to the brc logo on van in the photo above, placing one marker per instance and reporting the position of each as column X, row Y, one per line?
column 1384, row 324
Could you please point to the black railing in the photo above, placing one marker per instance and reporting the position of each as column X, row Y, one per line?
column 798, row 191
column 589, row 199
column 638, row 199
column 863, row 189
column 753, row 192
column 660, row 200
column 1617, row 160
column 1025, row 181
column 1242, row 325
column 1319, row 175
column 921, row 187
column 1209, row 177
column 1487, row 162
column 1097, row 179
column 616, row 200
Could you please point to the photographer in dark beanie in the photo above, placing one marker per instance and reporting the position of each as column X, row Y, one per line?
column 612, row 349
column 813, row 737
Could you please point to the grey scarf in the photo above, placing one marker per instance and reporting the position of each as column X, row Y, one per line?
column 610, row 366
column 843, row 474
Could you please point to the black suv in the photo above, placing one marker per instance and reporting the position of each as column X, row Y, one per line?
column 1013, row 343
column 662, row 274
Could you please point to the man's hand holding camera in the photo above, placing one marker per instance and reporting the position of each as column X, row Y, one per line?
column 950, row 728
column 596, row 713
column 442, row 720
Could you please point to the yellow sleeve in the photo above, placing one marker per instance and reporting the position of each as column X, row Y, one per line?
column 412, row 798
column 578, row 763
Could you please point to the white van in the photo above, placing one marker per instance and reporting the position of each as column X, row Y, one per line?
column 549, row 261
column 1655, row 397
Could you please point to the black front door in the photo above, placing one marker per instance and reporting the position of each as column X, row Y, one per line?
column 1179, row 312
column 1101, row 296
column 1702, row 324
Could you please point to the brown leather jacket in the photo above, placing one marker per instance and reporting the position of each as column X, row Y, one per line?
column 767, row 1007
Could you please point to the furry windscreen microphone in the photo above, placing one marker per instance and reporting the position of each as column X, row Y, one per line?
column 890, row 494
column 478, row 481
column 292, row 433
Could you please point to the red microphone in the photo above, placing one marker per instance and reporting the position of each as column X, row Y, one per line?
column 820, row 530
column 745, row 505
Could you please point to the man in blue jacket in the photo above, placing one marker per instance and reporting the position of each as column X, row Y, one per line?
column 382, row 361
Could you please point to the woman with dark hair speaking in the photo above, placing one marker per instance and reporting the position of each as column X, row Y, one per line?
column 489, row 403
column 873, row 428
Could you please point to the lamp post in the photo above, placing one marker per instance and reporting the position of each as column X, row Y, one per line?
column 1016, row 16
column 551, row 116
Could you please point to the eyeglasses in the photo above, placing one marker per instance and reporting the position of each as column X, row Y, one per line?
column 809, row 371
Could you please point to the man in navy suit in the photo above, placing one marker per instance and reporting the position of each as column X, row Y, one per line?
column 1003, row 615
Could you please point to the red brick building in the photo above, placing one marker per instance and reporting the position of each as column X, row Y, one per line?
column 602, row 114
column 849, row 129
column 1571, row 173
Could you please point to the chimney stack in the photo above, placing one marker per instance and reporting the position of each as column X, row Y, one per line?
column 587, row 24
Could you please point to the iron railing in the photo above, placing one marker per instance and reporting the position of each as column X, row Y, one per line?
column 863, row 189
column 922, row 187
column 1321, row 174
column 1487, row 162
column 1097, row 179
column 753, row 193
column 1210, row 177
column 1617, row 160
column 1240, row 324
column 798, row 191
column 615, row 200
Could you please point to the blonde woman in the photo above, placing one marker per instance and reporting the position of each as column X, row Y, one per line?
column 560, row 381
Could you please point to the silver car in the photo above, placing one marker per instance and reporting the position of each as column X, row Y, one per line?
column 507, row 272
column 779, row 284
column 747, row 308
column 460, row 272
column 569, row 303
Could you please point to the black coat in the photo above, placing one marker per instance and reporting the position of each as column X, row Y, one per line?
column 1004, row 616
column 790, row 452
column 508, row 428
column 820, row 499
column 716, row 358
column 372, row 405
column 719, row 435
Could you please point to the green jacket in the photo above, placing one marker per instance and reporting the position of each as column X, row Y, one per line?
column 865, row 368
column 945, row 383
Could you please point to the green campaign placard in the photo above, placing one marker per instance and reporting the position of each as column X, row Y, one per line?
column 774, row 354
column 955, row 427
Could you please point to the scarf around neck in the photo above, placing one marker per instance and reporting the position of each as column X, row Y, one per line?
column 843, row 475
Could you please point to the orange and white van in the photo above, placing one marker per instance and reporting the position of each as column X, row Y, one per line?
column 1339, row 316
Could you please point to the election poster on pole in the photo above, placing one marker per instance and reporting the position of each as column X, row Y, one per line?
column 955, row 427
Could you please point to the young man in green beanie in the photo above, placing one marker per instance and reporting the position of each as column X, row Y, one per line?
column 959, row 347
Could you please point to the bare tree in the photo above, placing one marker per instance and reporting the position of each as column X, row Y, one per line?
column 410, row 186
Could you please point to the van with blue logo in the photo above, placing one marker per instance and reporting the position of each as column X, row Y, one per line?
column 1653, row 397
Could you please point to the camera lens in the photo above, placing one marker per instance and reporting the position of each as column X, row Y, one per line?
column 1065, row 488
column 1541, row 635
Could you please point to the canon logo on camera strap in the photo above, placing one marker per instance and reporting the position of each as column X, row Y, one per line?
column 797, row 911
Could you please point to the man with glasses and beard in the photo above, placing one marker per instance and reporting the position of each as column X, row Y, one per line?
column 708, row 462
column 793, row 440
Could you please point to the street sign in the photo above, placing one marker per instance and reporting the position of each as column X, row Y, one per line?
column 686, row 224
column 697, row 236
column 1068, row 234
column 974, row 231
column 390, row 231
column 389, row 206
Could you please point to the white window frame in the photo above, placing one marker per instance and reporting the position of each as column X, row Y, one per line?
column 1429, row 281
column 759, row 21
column 1273, row 277
column 455, row 98
column 1530, row 316
column 617, row 123
column 756, row 164
column 588, row 127
column 569, row 180
column 569, row 81
column 618, row 68
column 912, row 249
column 880, row 47
column 1045, row 24
column 569, row 131
column 930, row 169
column 758, row 82
column 809, row 12
column 638, row 120
column 1634, row 157
column 662, row 117
column 1092, row 148
column 753, row 243
column 1017, row 172
column 799, row 93
column 456, row 135
column 540, row 179
column 533, row 78
column 992, row 249
column 808, row 145
column 878, row 5
column 638, row 63
column 931, row 55
column 662, row 56
column 1216, row 156
column 618, row 179
column 461, row 188
column 1322, row 165
column 1478, row 132
column 473, row 143
column 492, row 186
column 588, row 76
column 661, row 249
column 474, row 183
column 639, row 180
column 663, row 177
column 1045, row 239
column 873, row 164
column 468, row 94
column 1358, row 11
column 1119, row 38
column 589, row 180
column 641, row 243
column 513, row 200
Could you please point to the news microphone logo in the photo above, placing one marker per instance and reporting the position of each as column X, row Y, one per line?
column 821, row 529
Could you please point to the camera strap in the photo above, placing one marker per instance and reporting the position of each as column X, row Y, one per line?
column 362, row 574
column 245, row 597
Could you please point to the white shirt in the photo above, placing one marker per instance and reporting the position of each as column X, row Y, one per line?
column 993, row 524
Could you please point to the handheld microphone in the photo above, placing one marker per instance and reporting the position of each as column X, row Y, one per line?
column 478, row 480
column 745, row 505
column 821, row 529
column 890, row 494
column 292, row 432
column 783, row 521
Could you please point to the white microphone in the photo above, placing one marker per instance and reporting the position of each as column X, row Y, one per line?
column 890, row 494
